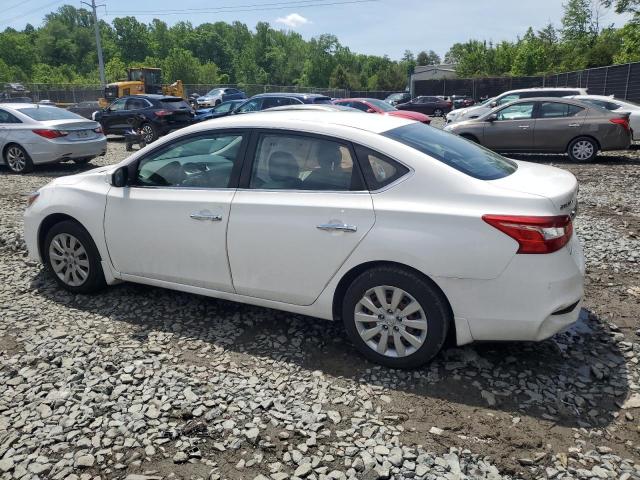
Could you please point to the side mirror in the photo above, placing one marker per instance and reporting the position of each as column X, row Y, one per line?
column 492, row 118
column 493, row 104
column 120, row 177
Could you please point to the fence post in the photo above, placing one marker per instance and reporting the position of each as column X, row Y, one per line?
column 626, row 87
column 587, row 84
column 444, row 86
column 606, row 75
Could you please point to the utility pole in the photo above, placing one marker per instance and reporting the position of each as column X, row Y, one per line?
column 98, row 42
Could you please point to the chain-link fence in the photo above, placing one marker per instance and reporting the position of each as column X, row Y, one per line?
column 622, row 81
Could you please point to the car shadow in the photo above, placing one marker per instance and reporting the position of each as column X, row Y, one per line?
column 576, row 379
column 625, row 157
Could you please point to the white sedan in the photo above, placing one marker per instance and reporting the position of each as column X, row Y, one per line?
column 33, row 134
column 616, row 105
column 407, row 234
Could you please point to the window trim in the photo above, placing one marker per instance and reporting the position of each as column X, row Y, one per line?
column 252, row 150
column 234, row 179
column 538, row 110
column 365, row 165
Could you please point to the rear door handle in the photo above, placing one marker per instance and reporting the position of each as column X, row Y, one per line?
column 341, row 227
column 574, row 124
column 524, row 127
column 206, row 216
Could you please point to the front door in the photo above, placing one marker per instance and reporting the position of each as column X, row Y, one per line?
column 303, row 211
column 171, row 223
column 556, row 125
column 512, row 129
column 114, row 119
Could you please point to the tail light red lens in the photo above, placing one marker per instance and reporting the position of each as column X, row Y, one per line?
column 534, row 234
column 623, row 122
column 163, row 113
column 50, row 134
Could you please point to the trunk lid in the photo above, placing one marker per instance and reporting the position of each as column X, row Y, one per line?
column 78, row 130
column 558, row 185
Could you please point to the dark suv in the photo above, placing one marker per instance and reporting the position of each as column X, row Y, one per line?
column 162, row 115
column 434, row 106
column 263, row 101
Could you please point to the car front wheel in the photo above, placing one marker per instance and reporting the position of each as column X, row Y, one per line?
column 395, row 317
column 72, row 258
column 583, row 149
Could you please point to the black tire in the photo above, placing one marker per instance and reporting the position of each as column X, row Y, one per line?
column 218, row 102
column 82, row 161
column 94, row 280
column 149, row 133
column 434, row 305
column 438, row 112
column 17, row 159
column 583, row 149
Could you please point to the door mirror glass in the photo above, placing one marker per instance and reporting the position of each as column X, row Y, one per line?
column 119, row 177
column 493, row 104
column 492, row 118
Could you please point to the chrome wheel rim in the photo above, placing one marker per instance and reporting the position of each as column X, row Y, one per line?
column 391, row 321
column 16, row 159
column 69, row 259
column 583, row 150
column 147, row 133
column 437, row 112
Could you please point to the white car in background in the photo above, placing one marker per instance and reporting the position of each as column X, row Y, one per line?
column 405, row 233
column 616, row 105
column 485, row 107
column 218, row 95
column 33, row 134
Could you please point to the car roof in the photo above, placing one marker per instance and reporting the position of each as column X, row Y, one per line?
column 326, row 107
column 154, row 96
column 542, row 89
column 358, row 99
column 294, row 95
column 18, row 106
column 548, row 99
column 310, row 120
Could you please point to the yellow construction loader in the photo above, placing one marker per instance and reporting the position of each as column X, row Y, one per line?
column 140, row 81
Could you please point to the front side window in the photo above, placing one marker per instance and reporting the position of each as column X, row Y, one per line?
column 520, row 111
column 6, row 117
column 251, row 106
column 205, row 161
column 558, row 110
column 118, row 105
column 295, row 162
column 456, row 152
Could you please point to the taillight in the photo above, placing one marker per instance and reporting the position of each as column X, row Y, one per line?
column 163, row 113
column 623, row 122
column 534, row 234
column 50, row 134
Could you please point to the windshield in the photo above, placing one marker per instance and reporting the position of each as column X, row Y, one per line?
column 49, row 113
column 458, row 153
column 226, row 106
column 384, row 106
column 215, row 91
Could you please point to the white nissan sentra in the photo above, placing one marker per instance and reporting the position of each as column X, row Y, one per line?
column 405, row 233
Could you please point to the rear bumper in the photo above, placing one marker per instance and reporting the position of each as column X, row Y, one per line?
column 534, row 298
column 55, row 151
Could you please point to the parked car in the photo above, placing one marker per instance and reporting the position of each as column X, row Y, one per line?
column 36, row 134
column 462, row 101
column 434, row 106
column 219, row 95
column 264, row 101
column 396, row 98
column 372, row 105
column 164, row 114
column 222, row 110
column 485, row 107
column 403, row 232
column 85, row 109
column 616, row 105
column 550, row 125
column 16, row 100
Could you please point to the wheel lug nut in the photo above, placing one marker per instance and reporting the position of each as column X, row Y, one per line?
column 389, row 311
column 396, row 328
column 381, row 317
column 385, row 327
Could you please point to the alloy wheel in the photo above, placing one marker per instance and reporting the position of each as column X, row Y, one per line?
column 437, row 112
column 147, row 133
column 69, row 259
column 582, row 150
column 16, row 159
column 391, row 321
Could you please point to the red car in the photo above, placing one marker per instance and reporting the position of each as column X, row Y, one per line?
column 373, row 105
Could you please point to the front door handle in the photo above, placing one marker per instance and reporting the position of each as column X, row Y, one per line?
column 524, row 127
column 574, row 124
column 341, row 227
column 206, row 216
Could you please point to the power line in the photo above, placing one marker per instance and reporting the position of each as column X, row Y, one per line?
column 230, row 7
column 284, row 6
column 23, row 15
column 19, row 4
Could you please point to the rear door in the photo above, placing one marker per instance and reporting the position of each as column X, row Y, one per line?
column 556, row 125
column 114, row 119
column 301, row 213
column 512, row 129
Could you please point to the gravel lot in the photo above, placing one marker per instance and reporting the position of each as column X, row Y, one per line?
column 143, row 383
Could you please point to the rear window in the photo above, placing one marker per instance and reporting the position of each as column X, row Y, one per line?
column 49, row 113
column 458, row 153
column 177, row 104
column 323, row 100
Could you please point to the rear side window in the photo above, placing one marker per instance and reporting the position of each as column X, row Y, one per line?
column 379, row 170
column 49, row 113
column 322, row 100
column 177, row 104
column 6, row 117
column 271, row 102
column 558, row 110
column 456, row 152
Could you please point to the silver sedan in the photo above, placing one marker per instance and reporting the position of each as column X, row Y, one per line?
column 33, row 134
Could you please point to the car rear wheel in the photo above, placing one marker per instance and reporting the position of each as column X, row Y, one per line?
column 583, row 149
column 395, row 317
column 438, row 112
column 149, row 133
column 72, row 258
column 17, row 159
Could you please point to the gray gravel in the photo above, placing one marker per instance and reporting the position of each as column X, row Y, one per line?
column 142, row 383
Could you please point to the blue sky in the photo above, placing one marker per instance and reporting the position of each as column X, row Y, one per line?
column 378, row 27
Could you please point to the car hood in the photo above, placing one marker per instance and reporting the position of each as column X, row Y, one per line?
column 80, row 177
column 558, row 185
column 465, row 113
column 419, row 117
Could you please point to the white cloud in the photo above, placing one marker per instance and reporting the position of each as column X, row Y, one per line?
column 293, row 20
